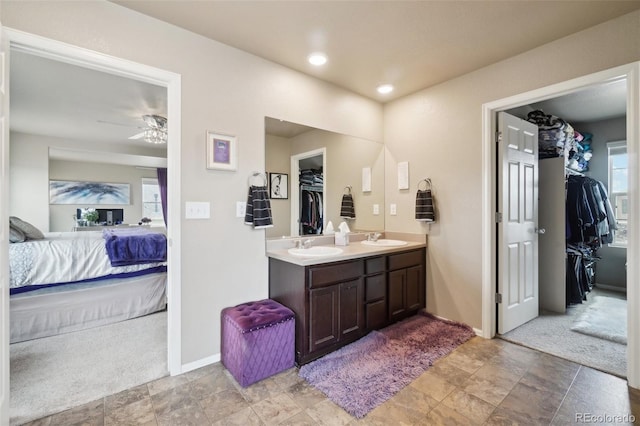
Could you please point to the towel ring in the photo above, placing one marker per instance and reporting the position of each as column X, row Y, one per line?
column 258, row 174
column 348, row 188
column 427, row 182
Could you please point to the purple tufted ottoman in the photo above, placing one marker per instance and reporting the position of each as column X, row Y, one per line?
column 257, row 340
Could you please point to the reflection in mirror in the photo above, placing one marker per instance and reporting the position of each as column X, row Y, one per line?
column 325, row 163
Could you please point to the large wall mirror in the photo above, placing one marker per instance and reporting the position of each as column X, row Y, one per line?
column 320, row 168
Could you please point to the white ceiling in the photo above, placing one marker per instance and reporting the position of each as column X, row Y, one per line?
column 410, row 44
column 53, row 98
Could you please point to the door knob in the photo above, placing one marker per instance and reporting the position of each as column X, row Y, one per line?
column 540, row 230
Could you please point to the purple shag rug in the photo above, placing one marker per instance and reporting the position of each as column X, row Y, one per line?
column 364, row 374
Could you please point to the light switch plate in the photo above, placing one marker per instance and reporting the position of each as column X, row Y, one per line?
column 241, row 208
column 392, row 209
column 197, row 210
column 376, row 209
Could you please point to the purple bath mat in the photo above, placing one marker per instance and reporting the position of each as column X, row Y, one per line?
column 360, row 376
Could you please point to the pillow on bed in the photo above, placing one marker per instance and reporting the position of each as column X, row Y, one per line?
column 16, row 235
column 29, row 231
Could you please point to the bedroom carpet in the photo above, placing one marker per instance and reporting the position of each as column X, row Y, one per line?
column 369, row 371
column 606, row 318
column 551, row 333
column 53, row 374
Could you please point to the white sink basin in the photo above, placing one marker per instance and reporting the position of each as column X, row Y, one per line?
column 316, row 251
column 385, row 243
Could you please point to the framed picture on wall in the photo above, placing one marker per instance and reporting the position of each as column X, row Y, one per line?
column 279, row 185
column 222, row 151
column 73, row 192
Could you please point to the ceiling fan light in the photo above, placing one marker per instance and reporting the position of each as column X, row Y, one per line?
column 156, row 131
column 155, row 136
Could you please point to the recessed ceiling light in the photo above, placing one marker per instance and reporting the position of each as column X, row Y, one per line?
column 317, row 59
column 385, row 88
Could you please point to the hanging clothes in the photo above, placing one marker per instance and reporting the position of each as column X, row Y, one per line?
column 590, row 223
column 590, row 216
column 311, row 212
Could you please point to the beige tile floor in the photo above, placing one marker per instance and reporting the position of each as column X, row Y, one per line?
column 482, row 382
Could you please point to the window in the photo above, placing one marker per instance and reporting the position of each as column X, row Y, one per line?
column 151, row 202
column 618, row 189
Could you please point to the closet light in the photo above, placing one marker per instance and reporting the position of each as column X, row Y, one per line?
column 385, row 88
column 317, row 59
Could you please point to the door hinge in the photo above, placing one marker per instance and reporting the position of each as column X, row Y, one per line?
column 498, row 137
column 498, row 217
column 498, row 297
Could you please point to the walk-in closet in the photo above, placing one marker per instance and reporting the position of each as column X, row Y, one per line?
column 582, row 208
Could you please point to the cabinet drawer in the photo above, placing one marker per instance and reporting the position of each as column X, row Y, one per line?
column 404, row 260
column 376, row 287
column 374, row 265
column 328, row 274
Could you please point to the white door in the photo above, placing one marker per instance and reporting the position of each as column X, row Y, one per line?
column 4, row 231
column 517, row 230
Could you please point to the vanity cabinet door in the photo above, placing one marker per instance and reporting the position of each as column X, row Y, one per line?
column 351, row 309
column 396, row 298
column 414, row 288
column 406, row 284
column 324, row 317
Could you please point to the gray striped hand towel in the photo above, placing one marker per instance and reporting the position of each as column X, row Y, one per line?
column 347, row 209
column 425, row 211
column 258, row 211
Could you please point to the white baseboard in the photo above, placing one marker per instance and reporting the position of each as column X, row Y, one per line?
column 200, row 363
column 611, row 288
column 475, row 330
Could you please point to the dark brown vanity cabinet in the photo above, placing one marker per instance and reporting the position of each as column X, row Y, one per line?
column 376, row 292
column 336, row 303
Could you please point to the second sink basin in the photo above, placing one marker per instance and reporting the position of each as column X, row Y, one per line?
column 385, row 243
column 315, row 251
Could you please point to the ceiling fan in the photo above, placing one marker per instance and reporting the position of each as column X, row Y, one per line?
column 156, row 130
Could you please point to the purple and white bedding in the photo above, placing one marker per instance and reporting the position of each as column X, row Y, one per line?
column 65, row 257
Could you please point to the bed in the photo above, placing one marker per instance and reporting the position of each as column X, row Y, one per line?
column 69, row 281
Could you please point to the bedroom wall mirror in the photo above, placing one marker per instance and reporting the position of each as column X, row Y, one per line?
column 326, row 164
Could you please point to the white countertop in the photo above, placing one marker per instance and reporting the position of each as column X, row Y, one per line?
column 354, row 250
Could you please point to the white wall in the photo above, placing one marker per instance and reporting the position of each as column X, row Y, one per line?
column 61, row 216
column 278, row 160
column 224, row 90
column 29, row 177
column 439, row 131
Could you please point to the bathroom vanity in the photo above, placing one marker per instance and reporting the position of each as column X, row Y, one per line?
column 338, row 299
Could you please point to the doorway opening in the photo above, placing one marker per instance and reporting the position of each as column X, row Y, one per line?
column 581, row 307
column 63, row 53
column 308, row 174
column 491, row 271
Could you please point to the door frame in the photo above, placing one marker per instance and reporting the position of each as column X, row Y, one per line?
column 295, row 186
column 630, row 72
column 76, row 55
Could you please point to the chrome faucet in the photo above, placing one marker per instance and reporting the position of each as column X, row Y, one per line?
column 373, row 236
column 303, row 244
